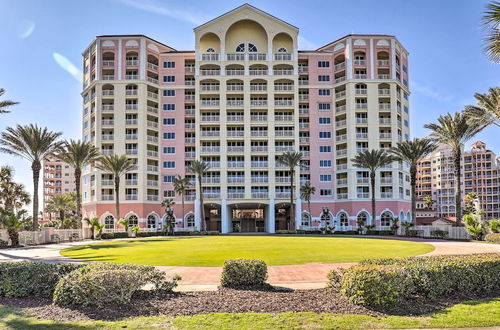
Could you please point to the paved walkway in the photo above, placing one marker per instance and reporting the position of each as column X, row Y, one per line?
column 307, row 276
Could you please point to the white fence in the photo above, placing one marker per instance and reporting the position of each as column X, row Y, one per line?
column 48, row 235
column 452, row 232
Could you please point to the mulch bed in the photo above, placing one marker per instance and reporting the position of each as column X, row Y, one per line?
column 264, row 300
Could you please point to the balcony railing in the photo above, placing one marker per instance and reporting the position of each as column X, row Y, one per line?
column 131, row 151
column 235, row 164
column 383, row 62
column 363, row 195
column 283, row 118
column 131, row 62
column 107, row 182
column 235, row 149
column 259, row 148
column 260, row 195
column 282, row 194
column 363, row 180
column 210, row 149
column 383, row 76
column 235, row 57
column 384, row 106
column 340, row 79
column 108, row 92
column 131, row 76
column 283, row 72
column 235, row 72
column 359, row 62
column 108, row 63
column 340, row 66
column 282, row 57
column 210, row 118
column 385, row 135
column 153, row 66
column 258, row 103
column 235, row 179
column 235, row 118
column 210, row 72
column 384, row 91
column 258, row 72
column 131, row 182
column 260, row 179
column 210, row 57
column 259, row 164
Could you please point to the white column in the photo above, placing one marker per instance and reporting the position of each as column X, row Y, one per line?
column 393, row 59
column 97, row 59
column 142, row 59
column 119, row 60
column 349, row 59
column 224, row 219
column 197, row 215
column 372, row 60
column 270, row 217
column 298, row 213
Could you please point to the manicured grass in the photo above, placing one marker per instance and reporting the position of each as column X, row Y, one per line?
column 274, row 250
column 481, row 313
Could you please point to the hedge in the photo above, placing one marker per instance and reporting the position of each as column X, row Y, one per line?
column 120, row 234
column 385, row 282
column 492, row 237
column 23, row 279
column 243, row 273
column 101, row 284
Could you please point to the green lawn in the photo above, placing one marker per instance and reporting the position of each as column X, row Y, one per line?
column 274, row 250
column 481, row 313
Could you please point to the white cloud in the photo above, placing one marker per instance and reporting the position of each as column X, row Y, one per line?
column 67, row 66
column 430, row 92
column 156, row 8
column 25, row 29
column 306, row 44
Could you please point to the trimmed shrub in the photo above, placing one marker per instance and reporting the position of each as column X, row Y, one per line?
column 209, row 232
column 384, row 282
column 101, row 284
column 121, row 234
column 3, row 243
column 107, row 235
column 23, row 279
column 243, row 273
column 438, row 233
column 148, row 234
column 492, row 237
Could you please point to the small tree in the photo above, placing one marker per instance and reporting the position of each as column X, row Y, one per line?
column 200, row 168
column 125, row 223
column 292, row 160
column 428, row 202
column 92, row 223
column 306, row 192
column 170, row 219
column 13, row 222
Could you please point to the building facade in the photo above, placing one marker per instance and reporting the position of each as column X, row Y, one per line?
column 58, row 178
column 480, row 174
column 245, row 95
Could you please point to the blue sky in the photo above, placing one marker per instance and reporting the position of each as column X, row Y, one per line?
column 42, row 43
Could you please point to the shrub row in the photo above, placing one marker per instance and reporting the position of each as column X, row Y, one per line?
column 383, row 283
column 22, row 279
column 101, row 284
column 196, row 233
column 492, row 237
column 243, row 273
column 120, row 234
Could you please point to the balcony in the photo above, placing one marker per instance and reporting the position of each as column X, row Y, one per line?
column 107, row 137
column 211, row 149
column 131, row 136
column 210, row 88
column 360, row 76
column 131, row 182
column 210, row 118
column 131, row 76
column 284, row 133
column 341, row 152
column 190, row 154
column 303, row 82
column 303, row 111
column 108, row 92
column 210, row 72
column 233, row 164
column 190, row 140
column 260, row 179
column 132, row 62
column 303, row 125
column 235, row 72
column 131, row 92
column 384, row 91
column 282, row 57
column 340, row 79
column 363, row 195
column 131, row 151
column 236, row 133
column 152, row 66
column 385, row 135
column 152, row 80
column 283, row 103
column 210, row 133
column 258, row 87
column 283, row 179
column 260, row 195
column 282, row 72
column 358, row 150
column 341, row 123
column 361, row 91
column 152, row 183
column 304, row 139
column 108, row 122
column 257, row 57
column 361, row 135
column 108, row 77
column 108, row 63
column 209, row 103
column 258, row 103
column 107, row 182
column 283, row 118
column 383, row 62
column 339, row 66
column 211, row 180
column 340, row 94
column 210, row 57
column 235, row 195
column 211, row 195
column 152, row 124
column 361, row 121
column 385, row 121
column 131, row 106
column 259, row 164
column 107, row 197
column 282, row 194
column 236, row 179
column 361, row 106
column 235, row 149
column 107, row 152
column 386, row 194
column 153, row 95
column 303, row 68
column 342, row 196
column 342, row 182
column 234, row 103
column 152, row 153
column 152, row 109
column 108, row 107
column 213, row 163
column 383, row 76
column 258, row 133
column 341, row 167
column 258, row 118
column 235, row 57
column 258, row 72
column 152, row 139
column 131, row 197
column 341, row 138
column 152, row 168
column 152, row 197
column 363, row 180
column 384, row 106
column 259, row 148
column 340, row 109
column 386, row 180
column 235, row 118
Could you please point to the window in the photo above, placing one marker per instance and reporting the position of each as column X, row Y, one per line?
column 405, row 109
column 324, row 106
column 306, row 219
column 323, row 78
column 405, row 95
column 168, row 178
column 240, row 48
column 168, row 78
column 323, row 64
column 109, row 222
column 282, row 50
column 169, row 121
column 86, row 124
column 252, row 48
column 169, row 150
column 151, row 221
column 133, row 221
column 325, row 163
column 169, row 65
column 323, row 92
column 210, row 50
column 169, row 92
column 405, row 69
column 169, row 164
column 168, row 193
column 169, row 107
column 325, row 178
column 190, row 220
column 406, row 123
column 325, row 135
column 362, row 218
column 385, row 219
column 343, row 220
column 169, row 136
column 325, row 149
column 325, row 192
column 325, row 120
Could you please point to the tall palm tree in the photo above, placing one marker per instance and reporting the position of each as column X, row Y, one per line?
column 33, row 143
column 6, row 103
column 12, row 195
column 412, row 152
column 487, row 110
column 372, row 160
column 454, row 130
column 291, row 159
column 78, row 154
column 167, row 204
column 491, row 21
column 117, row 165
column 306, row 192
column 181, row 185
column 200, row 168
column 62, row 204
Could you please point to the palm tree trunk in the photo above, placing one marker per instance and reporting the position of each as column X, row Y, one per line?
column 182, row 200
column 458, row 192
column 202, row 211
column 292, row 213
column 61, row 215
column 35, row 167
column 374, row 210
column 117, row 197
column 413, row 183
column 78, row 176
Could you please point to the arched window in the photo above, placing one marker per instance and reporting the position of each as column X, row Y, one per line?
column 343, row 220
column 151, row 221
column 109, row 222
column 210, row 50
column 133, row 221
column 385, row 219
column 326, row 218
column 252, row 48
column 282, row 50
column 190, row 220
column 362, row 218
column 240, row 48
column 306, row 219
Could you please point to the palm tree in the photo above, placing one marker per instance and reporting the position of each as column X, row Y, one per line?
column 5, row 104
column 306, row 192
column 372, row 160
column 167, row 204
column 13, row 222
column 454, row 131
column 12, row 195
column 487, row 110
column 181, row 185
column 62, row 204
column 118, row 166
column 491, row 21
column 78, row 154
column 200, row 168
column 412, row 152
column 428, row 202
column 33, row 143
column 93, row 223
column 291, row 159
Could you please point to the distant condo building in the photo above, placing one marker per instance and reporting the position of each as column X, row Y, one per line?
column 480, row 174
column 242, row 97
column 58, row 178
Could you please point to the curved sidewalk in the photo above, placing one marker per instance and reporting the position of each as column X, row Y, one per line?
column 306, row 276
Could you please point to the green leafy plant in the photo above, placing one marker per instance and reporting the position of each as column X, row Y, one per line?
column 494, row 225
column 394, row 225
column 135, row 230
column 407, row 226
column 492, row 238
column 125, row 223
column 438, row 233
column 474, row 226
column 243, row 273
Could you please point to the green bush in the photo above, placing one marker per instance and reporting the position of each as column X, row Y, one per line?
column 107, row 235
column 23, row 279
column 101, row 284
column 209, row 232
column 492, row 237
column 384, row 282
column 494, row 225
column 119, row 234
column 243, row 272
column 148, row 234
column 3, row 243
column 438, row 233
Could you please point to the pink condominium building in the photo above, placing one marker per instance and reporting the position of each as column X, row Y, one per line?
column 244, row 96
